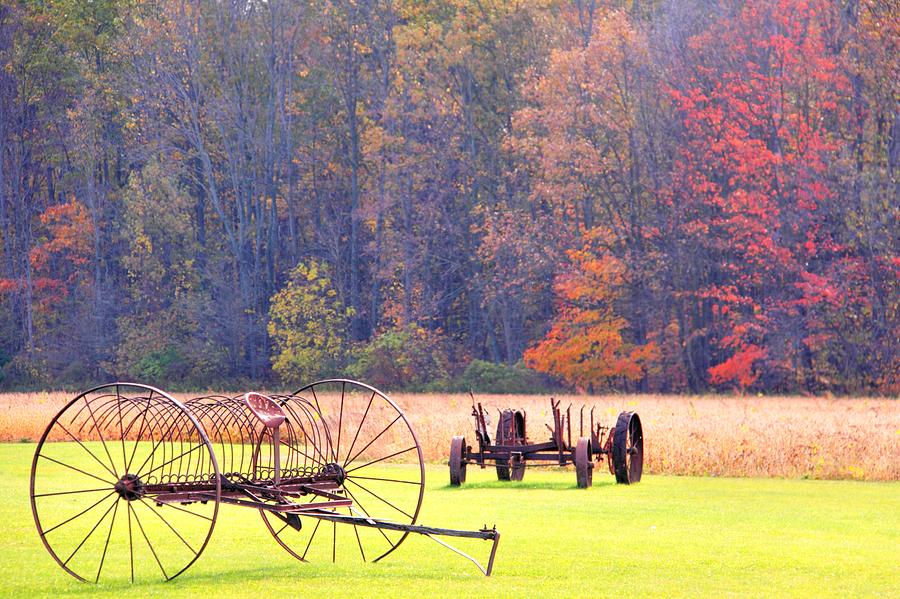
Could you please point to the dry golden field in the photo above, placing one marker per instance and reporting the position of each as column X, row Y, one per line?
column 714, row 436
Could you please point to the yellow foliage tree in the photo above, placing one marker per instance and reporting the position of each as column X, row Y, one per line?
column 308, row 325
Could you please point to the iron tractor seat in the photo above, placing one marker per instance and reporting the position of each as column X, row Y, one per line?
column 265, row 409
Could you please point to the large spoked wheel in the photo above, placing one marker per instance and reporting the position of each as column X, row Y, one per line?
column 584, row 467
column 457, row 461
column 363, row 434
column 96, row 481
column 628, row 448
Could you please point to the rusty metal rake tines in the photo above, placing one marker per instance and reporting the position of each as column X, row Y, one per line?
column 127, row 481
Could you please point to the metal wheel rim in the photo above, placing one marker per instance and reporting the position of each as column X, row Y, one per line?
column 457, row 461
column 621, row 444
column 37, row 454
column 635, row 448
column 583, row 470
column 332, row 438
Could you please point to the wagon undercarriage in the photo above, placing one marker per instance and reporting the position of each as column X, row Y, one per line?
column 622, row 446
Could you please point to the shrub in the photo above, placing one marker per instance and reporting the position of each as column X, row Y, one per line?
column 409, row 357
column 491, row 377
column 159, row 367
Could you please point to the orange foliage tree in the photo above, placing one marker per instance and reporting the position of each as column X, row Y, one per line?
column 62, row 255
column 589, row 343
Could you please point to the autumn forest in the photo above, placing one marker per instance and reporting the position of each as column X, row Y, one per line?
column 506, row 195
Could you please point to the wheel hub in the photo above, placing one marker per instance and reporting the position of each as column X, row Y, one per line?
column 130, row 487
column 336, row 471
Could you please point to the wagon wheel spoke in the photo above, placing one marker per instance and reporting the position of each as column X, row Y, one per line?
column 287, row 541
column 121, row 431
column 303, row 453
column 84, row 447
column 333, row 542
column 311, row 537
column 170, row 527
column 362, row 422
column 106, row 546
column 172, row 460
column 130, row 544
column 137, row 439
column 79, row 514
column 187, row 511
column 72, row 492
column 380, row 498
column 337, row 450
column 90, row 534
column 162, row 439
column 349, row 461
column 149, row 544
column 100, row 433
column 381, row 459
column 390, row 480
column 356, row 501
column 110, row 483
column 362, row 553
column 318, row 407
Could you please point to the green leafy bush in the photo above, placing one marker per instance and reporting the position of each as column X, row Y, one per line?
column 410, row 357
column 159, row 367
column 490, row 377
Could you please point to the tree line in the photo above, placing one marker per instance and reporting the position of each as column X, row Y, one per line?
column 643, row 195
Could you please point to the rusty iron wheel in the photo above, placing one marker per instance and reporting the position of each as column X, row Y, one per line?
column 628, row 448
column 510, row 469
column 517, row 468
column 584, row 467
column 363, row 432
column 96, row 477
column 502, row 469
column 457, row 461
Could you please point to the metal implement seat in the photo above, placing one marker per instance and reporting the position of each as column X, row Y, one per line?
column 265, row 408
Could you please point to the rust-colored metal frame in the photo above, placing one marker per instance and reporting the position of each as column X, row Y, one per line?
column 276, row 454
column 620, row 445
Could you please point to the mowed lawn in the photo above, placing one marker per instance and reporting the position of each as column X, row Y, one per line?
column 667, row 536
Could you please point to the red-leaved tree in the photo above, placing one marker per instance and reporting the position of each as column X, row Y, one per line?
column 750, row 193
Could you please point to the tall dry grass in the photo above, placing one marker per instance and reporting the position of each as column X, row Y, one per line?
column 712, row 436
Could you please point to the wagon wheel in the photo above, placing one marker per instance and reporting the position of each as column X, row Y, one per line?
column 92, row 485
column 511, row 469
column 628, row 448
column 366, row 437
column 584, row 467
column 457, row 461
column 516, row 468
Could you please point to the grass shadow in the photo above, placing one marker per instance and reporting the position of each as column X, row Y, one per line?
column 540, row 485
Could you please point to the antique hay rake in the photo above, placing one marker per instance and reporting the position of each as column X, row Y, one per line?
column 127, row 481
column 622, row 445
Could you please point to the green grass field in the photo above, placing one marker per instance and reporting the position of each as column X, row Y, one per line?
column 667, row 536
